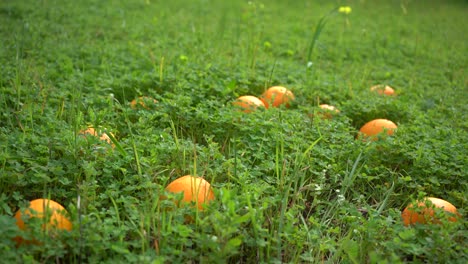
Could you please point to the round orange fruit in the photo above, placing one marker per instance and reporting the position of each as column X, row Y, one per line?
column 383, row 89
column 195, row 190
column 248, row 103
column 276, row 96
column 327, row 111
column 54, row 215
column 424, row 211
column 143, row 101
column 93, row 132
column 375, row 127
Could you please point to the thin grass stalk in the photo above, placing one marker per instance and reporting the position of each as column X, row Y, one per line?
column 318, row 30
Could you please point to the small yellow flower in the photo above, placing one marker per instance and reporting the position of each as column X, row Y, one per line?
column 345, row 9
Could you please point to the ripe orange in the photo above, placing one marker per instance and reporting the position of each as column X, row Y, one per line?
column 375, row 127
column 248, row 103
column 54, row 215
column 195, row 189
column 423, row 212
column 328, row 111
column 276, row 96
column 143, row 101
column 94, row 132
column 383, row 89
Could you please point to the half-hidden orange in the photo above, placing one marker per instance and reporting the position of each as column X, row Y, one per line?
column 53, row 215
column 424, row 211
column 143, row 101
column 327, row 111
column 276, row 96
column 94, row 132
column 377, row 126
column 248, row 103
column 383, row 89
column 195, row 190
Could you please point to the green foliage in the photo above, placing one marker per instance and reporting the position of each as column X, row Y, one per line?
column 290, row 186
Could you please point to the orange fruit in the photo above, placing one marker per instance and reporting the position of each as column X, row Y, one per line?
column 328, row 111
column 248, row 103
column 424, row 211
column 54, row 216
column 375, row 127
column 195, row 189
column 94, row 132
column 143, row 101
column 276, row 96
column 383, row 89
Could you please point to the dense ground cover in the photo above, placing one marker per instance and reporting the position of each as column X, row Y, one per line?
column 289, row 187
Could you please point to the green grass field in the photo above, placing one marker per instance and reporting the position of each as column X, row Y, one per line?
column 290, row 187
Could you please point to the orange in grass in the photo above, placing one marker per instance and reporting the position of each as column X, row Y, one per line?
column 377, row 126
column 248, row 103
column 276, row 96
column 143, row 101
column 383, row 89
column 424, row 211
column 54, row 217
column 195, row 190
column 93, row 132
column 328, row 111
